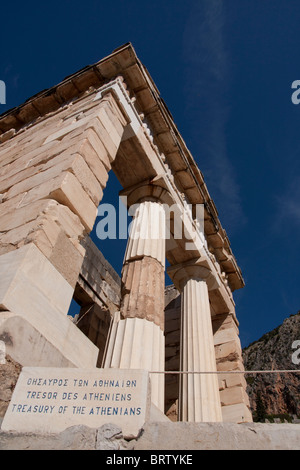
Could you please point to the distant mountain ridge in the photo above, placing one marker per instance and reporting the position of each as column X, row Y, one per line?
column 275, row 395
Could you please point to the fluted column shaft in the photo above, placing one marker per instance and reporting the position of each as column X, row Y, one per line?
column 199, row 399
column 147, row 234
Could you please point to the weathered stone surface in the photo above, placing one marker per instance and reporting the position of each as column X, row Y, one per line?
column 44, row 343
column 74, row 438
column 162, row 436
column 110, row 437
column 237, row 413
column 9, row 373
column 98, row 282
column 143, row 290
column 233, row 395
column 219, row 436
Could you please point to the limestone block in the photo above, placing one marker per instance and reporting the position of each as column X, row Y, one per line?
column 113, row 112
column 163, row 436
column 232, row 380
column 77, row 165
column 233, row 395
column 97, row 145
column 227, row 350
column 79, row 108
column 110, row 141
column 226, row 335
column 99, row 275
column 19, row 217
column 26, row 156
column 29, row 282
column 223, row 321
column 63, row 254
column 105, row 132
column 38, row 298
column 66, row 220
column 112, row 106
column 54, row 341
column 11, row 180
column 98, row 164
column 55, row 230
column 50, row 170
column 46, row 208
column 230, row 365
column 108, row 124
column 19, row 166
column 68, row 191
column 110, row 437
column 238, row 413
column 65, row 130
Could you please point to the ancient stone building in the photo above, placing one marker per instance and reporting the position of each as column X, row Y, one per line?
column 56, row 151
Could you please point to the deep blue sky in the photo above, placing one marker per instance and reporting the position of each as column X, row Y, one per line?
column 225, row 70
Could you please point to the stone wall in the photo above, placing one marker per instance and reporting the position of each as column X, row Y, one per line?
column 52, row 174
column 98, row 282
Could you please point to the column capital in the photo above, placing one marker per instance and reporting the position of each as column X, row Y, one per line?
column 193, row 269
column 147, row 190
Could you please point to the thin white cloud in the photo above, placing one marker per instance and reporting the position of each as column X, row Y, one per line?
column 207, row 67
column 288, row 207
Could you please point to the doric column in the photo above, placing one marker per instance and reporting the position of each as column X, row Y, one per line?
column 138, row 337
column 199, row 399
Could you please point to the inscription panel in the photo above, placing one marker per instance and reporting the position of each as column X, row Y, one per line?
column 47, row 400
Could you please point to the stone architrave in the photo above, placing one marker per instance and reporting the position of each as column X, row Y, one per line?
column 49, row 400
